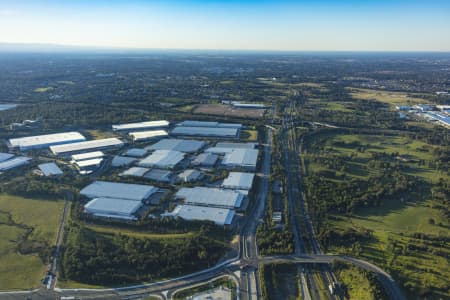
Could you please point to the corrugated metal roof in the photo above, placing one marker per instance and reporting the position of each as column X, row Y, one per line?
column 239, row 180
column 219, row 150
column 162, row 159
column 13, row 163
column 88, row 163
column 241, row 157
column 141, row 125
column 206, row 131
column 136, row 152
column 210, row 197
column 159, row 175
column 114, row 206
column 236, row 145
column 121, row 161
column 105, row 189
column 40, row 141
column 50, row 169
column 190, row 175
column 88, row 155
column 220, row 216
column 181, row 145
column 5, row 156
column 191, row 123
column 145, row 135
column 205, row 159
column 87, row 145
column 135, row 172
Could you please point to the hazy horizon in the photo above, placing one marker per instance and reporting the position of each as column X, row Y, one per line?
column 347, row 26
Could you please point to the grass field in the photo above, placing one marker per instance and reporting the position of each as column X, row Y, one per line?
column 356, row 282
column 249, row 135
column 43, row 89
column 138, row 234
column 25, row 271
column 389, row 97
column 418, row 262
column 98, row 134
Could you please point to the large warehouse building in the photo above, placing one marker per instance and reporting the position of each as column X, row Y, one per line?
column 50, row 169
column 141, row 125
column 241, row 158
column 105, row 189
column 139, row 136
column 220, row 216
column 5, row 156
column 205, row 160
column 239, row 181
column 213, row 197
column 165, row 159
column 42, row 141
column 113, row 208
column 86, row 146
column 14, row 163
column 191, row 123
column 186, row 146
column 219, row 132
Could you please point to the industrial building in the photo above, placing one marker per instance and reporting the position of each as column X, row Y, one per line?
column 186, row 146
column 135, row 172
column 86, row 146
column 88, row 155
column 14, row 163
column 220, row 216
column 165, row 159
column 439, row 118
column 136, row 152
column 207, row 160
column 127, row 191
column 87, row 166
column 241, row 158
column 219, row 132
column 47, row 140
column 238, row 104
column 5, row 156
column 159, row 175
column 239, row 181
column 219, row 150
column 140, row 136
column 213, row 197
column 190, row 123
column 190, row 175
column 122, row 161
column 113, row 208
column 141, row 125
column 50, row 169
column 232, row 145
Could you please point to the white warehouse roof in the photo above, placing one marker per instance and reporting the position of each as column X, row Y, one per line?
column 122, row 161
column 246, row 158
column 88, row 163
column 236, row 145
column 239, row 180
column 105, row 189
column 5, row 156
column 88, row 155
column 146, row 135
column 141, row 125
column 113, row 207
column 135, row 172
column 87, row 145
column 219, row 150
column 206, row 131
column 13, row 163
column 205, row 159
column 162, row 159
column 136, row 152
column 190, row 123
column 50, row 169
column 220, row 216
column 210, row 197
column 41, row 141
column 181, row 145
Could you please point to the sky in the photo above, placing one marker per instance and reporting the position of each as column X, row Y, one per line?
column 301, row 25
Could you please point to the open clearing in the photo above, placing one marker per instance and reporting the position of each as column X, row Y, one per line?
column 25, row 271
column 389, row 97
column 228, row 110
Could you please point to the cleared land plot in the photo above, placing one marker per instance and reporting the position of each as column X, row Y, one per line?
column 386, row 96
column 249, row 135
column 228, row 110
column 17, row 216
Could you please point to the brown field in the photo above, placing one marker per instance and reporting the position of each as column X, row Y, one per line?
column 227, row 110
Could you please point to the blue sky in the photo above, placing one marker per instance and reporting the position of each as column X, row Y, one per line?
column 307, row 25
